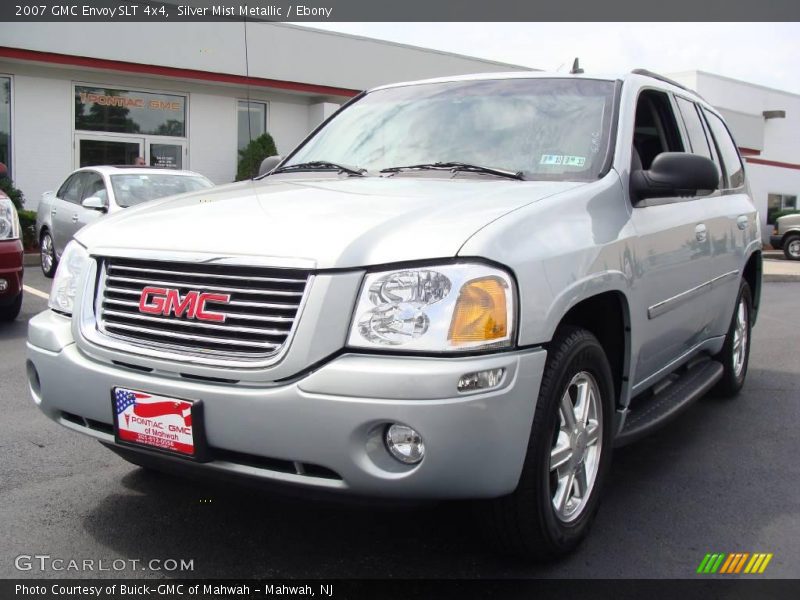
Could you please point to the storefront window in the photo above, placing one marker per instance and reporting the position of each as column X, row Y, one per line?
column 252, row 121
column 5, row 122
column 122, row 111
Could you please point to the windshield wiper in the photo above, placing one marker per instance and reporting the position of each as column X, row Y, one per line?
column 456, row 167
column 321, row 165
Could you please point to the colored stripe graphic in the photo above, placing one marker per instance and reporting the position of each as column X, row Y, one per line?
column 733, row 563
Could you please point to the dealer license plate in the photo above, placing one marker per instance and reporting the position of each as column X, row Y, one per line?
column 156, row 422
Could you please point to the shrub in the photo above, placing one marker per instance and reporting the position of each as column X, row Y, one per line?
column 27, row 222
column 12, row 192
column 250, row 156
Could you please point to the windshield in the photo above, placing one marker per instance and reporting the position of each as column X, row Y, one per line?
column 545, row 128
column 137, row 188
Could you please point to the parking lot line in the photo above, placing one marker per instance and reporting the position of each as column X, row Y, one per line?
column 36, row 292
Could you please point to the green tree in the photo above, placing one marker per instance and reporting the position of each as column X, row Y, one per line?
column 250, row 156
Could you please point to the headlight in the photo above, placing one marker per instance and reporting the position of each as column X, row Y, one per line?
column 65, row 284
column 9, row 221
column 435, row 309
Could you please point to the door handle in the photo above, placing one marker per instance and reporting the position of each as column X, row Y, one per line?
column 75, row 218
column 701, row 233
column 741, row 222
column 53, row 212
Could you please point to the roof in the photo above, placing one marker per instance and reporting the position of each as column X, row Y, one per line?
column 135, row 170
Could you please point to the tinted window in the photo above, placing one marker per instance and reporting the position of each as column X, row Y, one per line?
column 123, row 111
column 546, row 128
column 727, row 150
column 694, row 128
column 71, row 190
column 655, row 129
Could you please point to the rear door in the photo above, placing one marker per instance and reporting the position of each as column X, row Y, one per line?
column 733, row 224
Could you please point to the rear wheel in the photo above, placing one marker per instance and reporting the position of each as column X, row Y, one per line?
column 568, row 455
column 735, row 353
column 791, row 247
column 11, row 311
column 47, row 250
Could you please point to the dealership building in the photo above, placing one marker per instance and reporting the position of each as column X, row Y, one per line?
column 190, row 95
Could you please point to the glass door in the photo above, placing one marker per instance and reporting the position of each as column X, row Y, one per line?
column 167, row 154
column 93, row 150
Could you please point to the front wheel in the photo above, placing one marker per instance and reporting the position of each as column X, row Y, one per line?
column 791, row 247
column 735, row 353
column 47, row 251
column 11, row 311
column 568, row 455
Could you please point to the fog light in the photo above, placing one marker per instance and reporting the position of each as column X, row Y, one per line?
column 481, row 380
column 3, row 285
column 404, row 444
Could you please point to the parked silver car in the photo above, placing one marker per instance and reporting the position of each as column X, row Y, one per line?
column 90, row 192
column 786, row 236
column 471, row 287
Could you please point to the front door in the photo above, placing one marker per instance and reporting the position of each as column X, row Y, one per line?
column 93, row 150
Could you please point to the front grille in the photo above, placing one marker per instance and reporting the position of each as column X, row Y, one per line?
column 258, row 318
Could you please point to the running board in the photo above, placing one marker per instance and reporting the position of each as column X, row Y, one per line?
column 648, row 414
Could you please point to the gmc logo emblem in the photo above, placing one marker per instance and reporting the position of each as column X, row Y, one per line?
column 162, row 301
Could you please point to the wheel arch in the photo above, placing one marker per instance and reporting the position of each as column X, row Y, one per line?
column 752, row 275
column 613, row 331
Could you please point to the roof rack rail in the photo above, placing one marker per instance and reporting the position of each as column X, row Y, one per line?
column 647, row 73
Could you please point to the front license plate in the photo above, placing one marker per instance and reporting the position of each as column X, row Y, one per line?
column 156, row 422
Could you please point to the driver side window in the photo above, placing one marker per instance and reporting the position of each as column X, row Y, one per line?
column 655, row 129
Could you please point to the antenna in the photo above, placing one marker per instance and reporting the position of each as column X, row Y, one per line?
column 247, row 88
column 576, row 68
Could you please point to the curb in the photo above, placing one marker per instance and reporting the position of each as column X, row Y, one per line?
column 780, row 277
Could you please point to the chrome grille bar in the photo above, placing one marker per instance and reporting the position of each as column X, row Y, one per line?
column 254, row 324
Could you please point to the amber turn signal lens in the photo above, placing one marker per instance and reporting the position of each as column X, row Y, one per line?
column 481, row 313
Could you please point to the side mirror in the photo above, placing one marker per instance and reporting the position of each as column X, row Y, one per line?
column 675, row 174
column 94, row 203
column 268, row 164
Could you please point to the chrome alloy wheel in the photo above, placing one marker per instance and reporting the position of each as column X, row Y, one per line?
column 740, row 337
column 575, row 455
column 793, row 248
column 48, row 253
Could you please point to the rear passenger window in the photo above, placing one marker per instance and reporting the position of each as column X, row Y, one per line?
column 727, row 150
column 694, row 127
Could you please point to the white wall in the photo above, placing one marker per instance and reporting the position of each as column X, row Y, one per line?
column 276, row 51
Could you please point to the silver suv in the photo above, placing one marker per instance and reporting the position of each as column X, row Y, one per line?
column 471, row 287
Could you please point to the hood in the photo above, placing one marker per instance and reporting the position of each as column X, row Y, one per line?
column 321, row 223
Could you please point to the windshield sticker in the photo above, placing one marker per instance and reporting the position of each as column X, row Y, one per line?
column 564, row 160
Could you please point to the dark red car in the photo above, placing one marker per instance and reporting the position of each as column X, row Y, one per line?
column 10, row 260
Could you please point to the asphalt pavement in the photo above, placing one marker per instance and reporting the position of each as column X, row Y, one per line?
column 722, row 478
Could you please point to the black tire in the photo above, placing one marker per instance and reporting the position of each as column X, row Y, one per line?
column 525, row 523
column 791, row 247
column 46, row 241
column 11, row 311
column 732, row 381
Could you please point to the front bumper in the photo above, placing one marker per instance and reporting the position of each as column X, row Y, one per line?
column 331, row 418
column 10, row 270
column 776, row 241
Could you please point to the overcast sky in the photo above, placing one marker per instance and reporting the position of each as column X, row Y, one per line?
column 764, row 53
